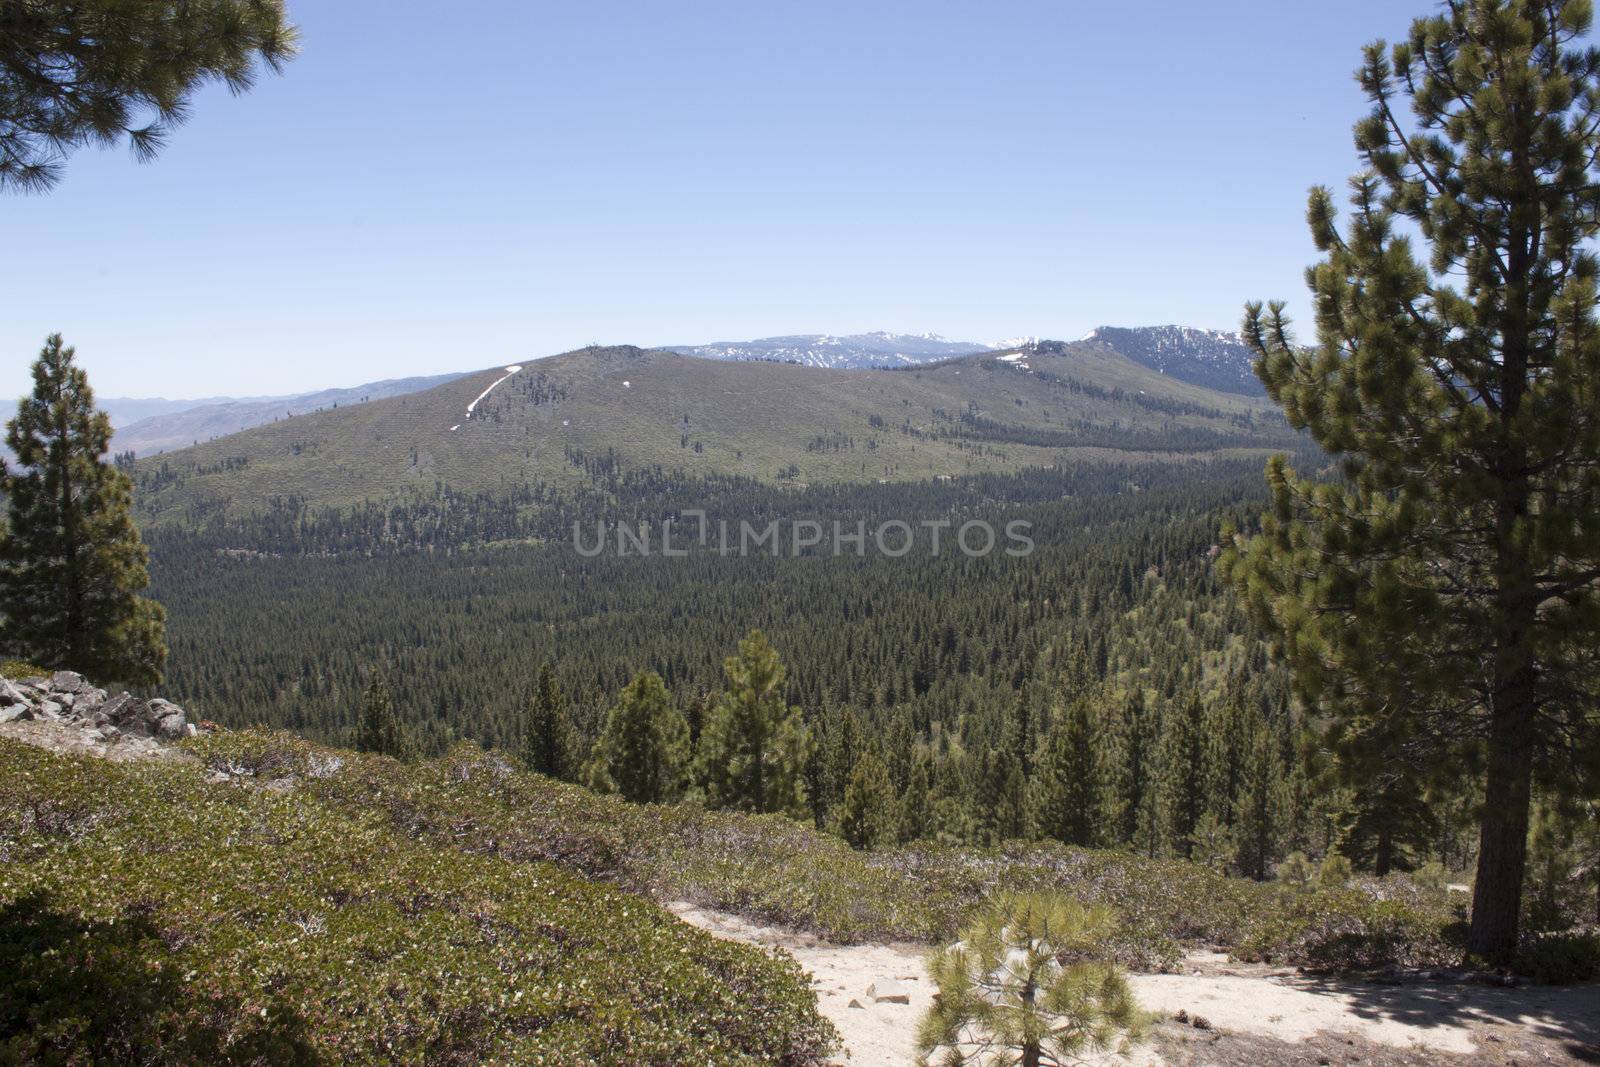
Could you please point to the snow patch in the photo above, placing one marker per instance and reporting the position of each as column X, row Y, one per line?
column 511, row 371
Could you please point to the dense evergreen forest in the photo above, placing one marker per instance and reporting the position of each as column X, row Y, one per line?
column 1103, row 690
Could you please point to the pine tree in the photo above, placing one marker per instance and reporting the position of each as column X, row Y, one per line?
column 753, row 748
column 1440, row 600
column 549, row 743
column 1012, row 818
column 1027, row 984
column 379, row 729
column 1261, row 808
column 644, row 749
column 78, row 72
column 867, row 815
column 913, row 822
column 1389, row 823
column 1180, row 788
column 71, row 561
column 1069, row 790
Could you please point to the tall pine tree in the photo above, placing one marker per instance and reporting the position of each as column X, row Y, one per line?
column 1441, row 599
column 754, row 745
column 71, row 561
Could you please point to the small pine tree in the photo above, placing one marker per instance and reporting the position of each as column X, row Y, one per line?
column 643, row 751
column 867, row 813
column 754, row 745
column 71, row 561
column 380, row 729
column 1025, row 981
column 549, row 743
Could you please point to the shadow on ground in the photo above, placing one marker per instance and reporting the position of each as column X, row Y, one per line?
column 1567, row 1017
column 109, row 992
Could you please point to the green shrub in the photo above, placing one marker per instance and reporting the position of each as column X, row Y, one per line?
column 152, row 915
column 1561, row 959
column 775, row 870
column 17, row 670
column 1348, row 929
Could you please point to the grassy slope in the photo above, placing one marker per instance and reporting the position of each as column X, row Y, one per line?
column 753, row 419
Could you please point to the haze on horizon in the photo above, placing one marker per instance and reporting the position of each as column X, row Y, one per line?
column 540, row 177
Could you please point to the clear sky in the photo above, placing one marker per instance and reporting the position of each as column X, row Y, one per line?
column 434, row 187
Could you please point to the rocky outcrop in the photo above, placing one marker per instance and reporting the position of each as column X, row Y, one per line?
column 68, row 712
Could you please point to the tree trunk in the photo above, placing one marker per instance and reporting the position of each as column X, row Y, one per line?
column 1031, row 1052
column 1503, row 842
column 1383, row 859
column 1503, row 835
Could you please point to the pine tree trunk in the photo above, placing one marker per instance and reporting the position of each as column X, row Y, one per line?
column 1031, row 1052
column 72, row 594
column 1513, row 699
column 1383, row 860
column 1503, row 835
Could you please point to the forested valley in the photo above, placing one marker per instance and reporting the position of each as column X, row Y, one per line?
column 1106, row 690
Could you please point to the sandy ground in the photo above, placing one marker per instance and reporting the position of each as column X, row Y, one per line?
column 1251, row 1014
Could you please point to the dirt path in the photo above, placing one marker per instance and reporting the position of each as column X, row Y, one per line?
column 1241, row 1015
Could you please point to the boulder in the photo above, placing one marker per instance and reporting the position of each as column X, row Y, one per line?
column 888, row 991
column 10, row 694
column 68, row 682
column 49, row 709
column 15, row 713
column 87, row 701
column 171, row 727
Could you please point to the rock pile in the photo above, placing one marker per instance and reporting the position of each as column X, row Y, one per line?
column 67, row 700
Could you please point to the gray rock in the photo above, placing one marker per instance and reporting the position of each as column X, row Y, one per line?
column 171, row 727
column 49, row 709
column 10, row 694
column 16, row 713
column 122, row 708
column 88, row 700
column 68, row 682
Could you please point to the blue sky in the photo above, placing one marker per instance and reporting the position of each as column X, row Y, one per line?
column 436, row 187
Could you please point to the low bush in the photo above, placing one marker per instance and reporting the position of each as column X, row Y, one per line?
column 778, row 871
column 182, row 920
column 1561, row 959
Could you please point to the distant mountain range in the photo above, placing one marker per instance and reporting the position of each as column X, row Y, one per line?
column 851, row 352
column 146, row 427
column 1210, row 358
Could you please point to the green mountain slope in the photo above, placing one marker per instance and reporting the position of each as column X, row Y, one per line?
column 555, row 420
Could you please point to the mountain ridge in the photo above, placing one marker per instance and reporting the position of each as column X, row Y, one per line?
column 588, row 415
